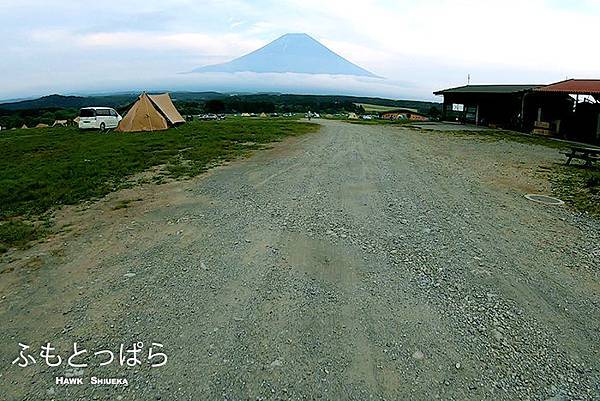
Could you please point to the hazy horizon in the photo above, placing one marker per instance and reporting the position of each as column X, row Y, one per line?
column 68, row 47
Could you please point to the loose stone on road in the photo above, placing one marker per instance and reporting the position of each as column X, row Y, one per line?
column 361, row 262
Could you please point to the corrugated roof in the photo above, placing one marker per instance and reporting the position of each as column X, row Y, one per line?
column 574, row 87
column 496, row 89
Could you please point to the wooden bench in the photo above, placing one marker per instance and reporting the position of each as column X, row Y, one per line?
column 589, row 155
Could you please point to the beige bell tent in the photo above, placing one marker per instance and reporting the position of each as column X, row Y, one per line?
column 151, row 113
column 24, row 126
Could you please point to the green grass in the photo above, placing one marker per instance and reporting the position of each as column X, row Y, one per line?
column 369, row 108
column 579, row 186
column 124, row 204
column 17, row 234
column 44, row 168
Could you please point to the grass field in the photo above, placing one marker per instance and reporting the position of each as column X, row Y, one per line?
column 374, row 108
column 44, row 168
column 579, row 186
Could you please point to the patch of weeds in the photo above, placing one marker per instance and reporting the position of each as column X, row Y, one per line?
column 578, row 186
column 124, row 203
column 58, row 253
column 593, row 181
column 17, row 234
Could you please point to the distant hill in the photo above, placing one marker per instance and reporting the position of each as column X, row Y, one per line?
column 68, row 102
column 57, row 107
column 316, row 100
column 121, row 100
column 77, row 102
column 295, row 53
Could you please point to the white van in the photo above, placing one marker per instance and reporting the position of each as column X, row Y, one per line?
column 98, row 118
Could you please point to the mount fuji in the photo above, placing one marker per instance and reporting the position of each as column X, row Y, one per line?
column 293, row 53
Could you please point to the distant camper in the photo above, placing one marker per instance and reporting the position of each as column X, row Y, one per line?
column 98, row 118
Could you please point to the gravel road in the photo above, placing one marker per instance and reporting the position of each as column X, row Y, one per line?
column 358, row 263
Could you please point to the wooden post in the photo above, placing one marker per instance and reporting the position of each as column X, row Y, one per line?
column 477, row 116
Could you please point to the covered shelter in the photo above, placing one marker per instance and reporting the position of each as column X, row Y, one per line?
column 504, row 106
column 151, row 113
column 495, row 105
column 583, row 121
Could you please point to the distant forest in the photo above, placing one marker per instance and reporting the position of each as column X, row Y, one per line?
column 47, row 109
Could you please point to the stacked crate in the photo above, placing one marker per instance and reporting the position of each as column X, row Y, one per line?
column 542, row 128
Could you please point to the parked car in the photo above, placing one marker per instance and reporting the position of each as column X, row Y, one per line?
column 208, row 117
column 98, row 118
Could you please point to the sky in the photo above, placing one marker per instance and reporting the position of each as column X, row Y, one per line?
column 418, row 46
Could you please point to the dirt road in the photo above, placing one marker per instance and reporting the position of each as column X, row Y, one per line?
column 362, row 262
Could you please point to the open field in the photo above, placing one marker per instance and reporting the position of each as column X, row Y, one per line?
column 375, row 108
column 44, row 168
column 579, row 186
column 362, row 262
column 379, row 122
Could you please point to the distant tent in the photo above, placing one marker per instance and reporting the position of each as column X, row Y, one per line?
column 151, row 113
column 263, row 115
column 40, row 125
column 76, row 120
column 24, row 126
column 245, row 114
column 62, row 123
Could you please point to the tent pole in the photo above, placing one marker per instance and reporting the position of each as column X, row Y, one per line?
column 148, row 116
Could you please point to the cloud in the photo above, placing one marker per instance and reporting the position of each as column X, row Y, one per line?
column 225, row 45
column 468, row 32
column 432, row 43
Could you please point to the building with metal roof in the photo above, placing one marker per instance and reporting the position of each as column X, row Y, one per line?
column 489, row 89
column 568, row 109
column 574, row 87
column 506, row 106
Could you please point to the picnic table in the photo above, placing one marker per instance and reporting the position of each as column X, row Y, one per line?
column 589, row 155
